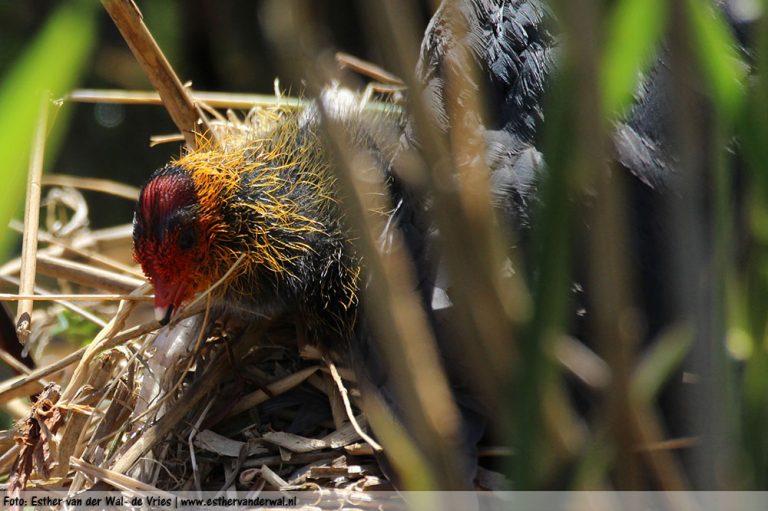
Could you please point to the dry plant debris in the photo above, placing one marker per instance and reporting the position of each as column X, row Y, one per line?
column 35, row 439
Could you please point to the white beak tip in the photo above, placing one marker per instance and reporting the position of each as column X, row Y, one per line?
column 163, row 314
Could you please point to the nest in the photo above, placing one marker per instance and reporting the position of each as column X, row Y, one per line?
column 253, row 412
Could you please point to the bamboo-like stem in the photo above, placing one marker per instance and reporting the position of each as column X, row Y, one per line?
column 28, row 384
column 175, row 97
column 64, row 303
column 85, row 255
column 275, row 389
column 31, row 222
column 213, row 99
column 94, row 184
column 73, row 297
column 105, row 280
column 238, row 101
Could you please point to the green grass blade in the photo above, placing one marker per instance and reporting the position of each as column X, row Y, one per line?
column 724, row 72
column 633, row 32
column 52, row 62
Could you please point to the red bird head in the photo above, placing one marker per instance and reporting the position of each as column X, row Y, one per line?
column 172, row 234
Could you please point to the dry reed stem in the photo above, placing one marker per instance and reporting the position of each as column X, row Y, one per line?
column 104, row 238
column 107, row 338
column 345, row 435
column 71, row 441
column 399, row 322
column 274, row 389
column 13, row 362
column 366, row 68
column 32, row 222
column 194, row 430
column 328, row 387
column 29, row 384
column 471, row 242
column 348, row 407
column 156, row 140
column 64, row 303
column 296, row 459
column 8, row 458
column 237, row 101
column 213, row 99
column 17, row 409
column 87, row 275
column 671, row 444
column 662, row 465
column 346, row 373
column 210, row 441
column 117, row 480
column 272, row 478
column 217, row 371
column 88, row 256
column 75, row 297
column 175, row 96
column 106, row 186
column 582, row 362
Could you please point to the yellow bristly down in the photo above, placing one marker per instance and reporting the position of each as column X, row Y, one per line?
column 264, row 150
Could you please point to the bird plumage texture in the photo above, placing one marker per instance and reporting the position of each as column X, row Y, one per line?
column 258, row 203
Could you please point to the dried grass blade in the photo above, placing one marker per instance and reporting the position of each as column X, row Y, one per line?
column 74, row 297
column 275, row 389
column 30, row 384
column 94, row 184
column 86, row 275
column 117, row 480
column 32, row 220
column 218, row 371
column 175, row 97
column 366, row 68
column 213, row 99
column 88, row 256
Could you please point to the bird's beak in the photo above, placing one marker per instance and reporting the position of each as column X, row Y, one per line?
column 163, row 314
column 167, row 299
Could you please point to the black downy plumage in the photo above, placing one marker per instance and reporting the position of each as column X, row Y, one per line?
column 515, row 46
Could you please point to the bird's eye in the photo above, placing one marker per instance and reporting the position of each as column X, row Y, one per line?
column 187, row 239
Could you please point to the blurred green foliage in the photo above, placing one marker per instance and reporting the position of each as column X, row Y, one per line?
column 51, row 65
column 633, row 31
column 78, row 330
